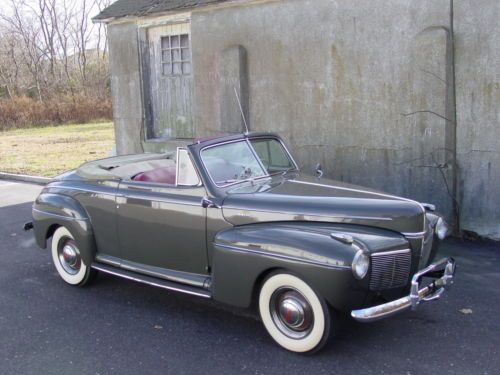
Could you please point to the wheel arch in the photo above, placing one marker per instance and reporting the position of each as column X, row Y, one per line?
column 51, row 211
column 50, row 231
column 259, row 281
column 244, row 256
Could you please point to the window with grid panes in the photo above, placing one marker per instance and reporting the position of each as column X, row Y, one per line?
column 175, row 55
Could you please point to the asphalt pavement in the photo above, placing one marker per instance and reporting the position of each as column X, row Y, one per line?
column 119, row 327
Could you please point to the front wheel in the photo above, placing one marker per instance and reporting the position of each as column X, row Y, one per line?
column 67, row 259
column 293, row 314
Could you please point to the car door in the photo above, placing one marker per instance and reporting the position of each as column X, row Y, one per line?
column 162, row 225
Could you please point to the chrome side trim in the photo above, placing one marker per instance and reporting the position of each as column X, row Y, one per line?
column 69, row 187
column 403, row 251
column 58, row 216
column 280, row 256
column 193, row 279
column 312, row 215
column 108, row 259
column 416, row 235
column 162, row 200
column 143, row 279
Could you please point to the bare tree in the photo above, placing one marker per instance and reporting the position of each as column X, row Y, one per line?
column 56, row 44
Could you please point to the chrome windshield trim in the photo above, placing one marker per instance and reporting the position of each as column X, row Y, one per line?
column 254, row 153
column 222, row 144
column 281, row 256
column 248, row 141
column 286, row 150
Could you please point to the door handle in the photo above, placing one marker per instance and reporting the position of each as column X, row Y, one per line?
column 207, row 203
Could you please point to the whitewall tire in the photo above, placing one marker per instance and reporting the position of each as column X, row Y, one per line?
column 67, row 259
column 293, row 314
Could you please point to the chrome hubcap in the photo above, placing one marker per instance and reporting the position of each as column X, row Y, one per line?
column 69, row 256
column 291, row 313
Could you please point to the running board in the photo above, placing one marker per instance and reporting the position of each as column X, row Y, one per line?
column 153, row 281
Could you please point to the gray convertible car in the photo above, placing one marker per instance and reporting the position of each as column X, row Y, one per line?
column 233, row 219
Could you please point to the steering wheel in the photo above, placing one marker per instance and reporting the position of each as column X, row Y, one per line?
column 245, row 173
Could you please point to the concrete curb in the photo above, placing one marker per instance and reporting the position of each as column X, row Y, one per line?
column 25, row 178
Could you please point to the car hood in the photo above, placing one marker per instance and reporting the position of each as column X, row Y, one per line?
column 296, row 197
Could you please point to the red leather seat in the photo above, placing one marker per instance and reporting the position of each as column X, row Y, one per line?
column 165, row 175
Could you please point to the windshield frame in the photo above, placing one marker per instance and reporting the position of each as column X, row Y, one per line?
column 248, row 141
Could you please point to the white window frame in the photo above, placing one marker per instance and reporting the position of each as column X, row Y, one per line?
column 178, row 55
column 189, row 176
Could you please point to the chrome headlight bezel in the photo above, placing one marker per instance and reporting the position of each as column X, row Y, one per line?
column 442, row 229
column 361, row 264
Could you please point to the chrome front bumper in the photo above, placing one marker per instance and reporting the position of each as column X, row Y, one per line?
column 441, row 272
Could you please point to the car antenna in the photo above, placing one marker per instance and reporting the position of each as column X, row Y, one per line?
column 241, row 110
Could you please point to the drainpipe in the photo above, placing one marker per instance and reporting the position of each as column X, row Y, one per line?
column 451, row 114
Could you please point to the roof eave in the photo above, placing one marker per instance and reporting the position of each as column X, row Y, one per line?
column 103, row 20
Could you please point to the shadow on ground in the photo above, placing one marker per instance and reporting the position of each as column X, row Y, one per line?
column 117, row 326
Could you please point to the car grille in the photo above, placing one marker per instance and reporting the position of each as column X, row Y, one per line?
column 390, row 269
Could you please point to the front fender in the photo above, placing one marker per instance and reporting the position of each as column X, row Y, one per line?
column 243, row 255
column 53, row 210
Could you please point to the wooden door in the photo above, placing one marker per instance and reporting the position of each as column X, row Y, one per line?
column 170, row 81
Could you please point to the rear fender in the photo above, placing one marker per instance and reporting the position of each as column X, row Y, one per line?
column 53, row 210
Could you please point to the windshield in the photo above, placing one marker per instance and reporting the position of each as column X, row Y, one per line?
column 272, row 155
column 240, row 161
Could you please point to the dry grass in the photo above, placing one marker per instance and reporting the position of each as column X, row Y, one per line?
column 51, row 150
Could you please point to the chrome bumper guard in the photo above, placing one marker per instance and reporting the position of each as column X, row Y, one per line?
column 441, row 272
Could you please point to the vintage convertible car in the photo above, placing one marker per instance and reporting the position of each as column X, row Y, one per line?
column 233, row 219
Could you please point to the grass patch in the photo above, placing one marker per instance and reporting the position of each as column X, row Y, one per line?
column 51, row 150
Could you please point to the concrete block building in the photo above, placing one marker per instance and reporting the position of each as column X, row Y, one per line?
column 397, row 95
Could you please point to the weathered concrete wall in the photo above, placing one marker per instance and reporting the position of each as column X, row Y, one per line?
column 335, row 78
column 477, row 27
column 126, row 87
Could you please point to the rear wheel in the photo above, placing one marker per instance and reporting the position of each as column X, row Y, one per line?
column 67, row 259
column 293, row 314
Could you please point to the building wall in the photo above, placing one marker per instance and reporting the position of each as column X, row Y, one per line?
column 361, row 86
column 128, row 114
column 335, row 78
column 478, row 90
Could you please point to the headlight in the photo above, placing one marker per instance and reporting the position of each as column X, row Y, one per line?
column 360, row 264
column 442, row 229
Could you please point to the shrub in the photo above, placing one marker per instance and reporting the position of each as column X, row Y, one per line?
column 23, row 112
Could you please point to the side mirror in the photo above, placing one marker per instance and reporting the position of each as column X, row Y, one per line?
column 319, row 171
column 207, row 203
